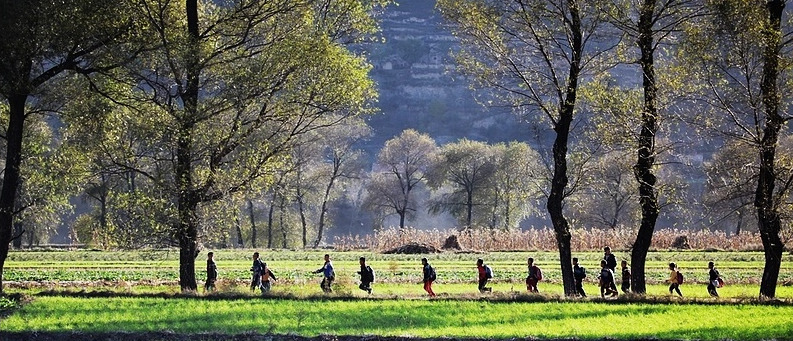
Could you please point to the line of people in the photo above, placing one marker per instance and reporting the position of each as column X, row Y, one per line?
column 262, row 276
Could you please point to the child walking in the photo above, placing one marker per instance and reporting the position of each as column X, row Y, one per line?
column 328, row 275
column 534, row 277
column 484, row 273
column 674, row 282
column 626, row 278
column 212, row 273
column 429, row 277
column 579, row 273
column 367, row 276
column 607, row 286
column 713, row 280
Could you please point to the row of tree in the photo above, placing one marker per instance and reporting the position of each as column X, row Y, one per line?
column 720, row 65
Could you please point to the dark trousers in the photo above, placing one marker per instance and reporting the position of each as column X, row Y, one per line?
column 712, row 289
column 326, row 284
column 579, row 288
column 256, row 281
column 210, row 284
column 675, row 287
column 626, row 287
column 483, row 285
column 366, row 286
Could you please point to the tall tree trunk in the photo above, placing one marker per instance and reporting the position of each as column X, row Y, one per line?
column 252, row 218
column 187, row 197
column 18, row 231
column 469, row 208
column 404, row 211
column 8, row 195
column 301, row 210
column 767, row 210
column 562, row 129
column 739, row 226
column 270, row 221
column 281, row 214
column 324, row 210
column 240, row 240
column 648, row 198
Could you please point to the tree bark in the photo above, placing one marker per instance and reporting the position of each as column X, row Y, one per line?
column 270, row 221
column 301, row 210
column 648, row 198
column 281, row 214
column 324, row 210
column 767, row 209
column 253, row 224
column 562, row 129
column 238, row 228
column 11, row 176
column 187, row 231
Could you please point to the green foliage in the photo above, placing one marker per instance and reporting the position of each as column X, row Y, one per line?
column 405, row 159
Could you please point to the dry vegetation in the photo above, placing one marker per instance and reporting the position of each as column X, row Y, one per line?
column 543, row 239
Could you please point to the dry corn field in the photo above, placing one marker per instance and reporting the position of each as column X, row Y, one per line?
column 544, row 239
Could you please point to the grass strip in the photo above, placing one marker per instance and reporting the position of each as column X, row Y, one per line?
column 415, row 318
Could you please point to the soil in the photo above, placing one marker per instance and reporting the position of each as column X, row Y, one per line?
column 452, row 243
column 413, row 249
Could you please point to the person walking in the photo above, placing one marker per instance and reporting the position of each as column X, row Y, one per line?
column 713, row 280
column 212, row 273
column 534, row 277
column 626, row 278
column 267, row 275
column 367, row 276
column 674, row 279
column 611, row 263
column 328, row 275
column 579, row 273
column 485, row 274
column 257, row 269
column 429, row 276
column 606, row 280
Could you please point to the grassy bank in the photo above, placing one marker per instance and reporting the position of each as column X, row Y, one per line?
column 420, row 318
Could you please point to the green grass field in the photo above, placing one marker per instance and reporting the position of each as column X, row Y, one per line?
column 139, row 289
column 416, row 318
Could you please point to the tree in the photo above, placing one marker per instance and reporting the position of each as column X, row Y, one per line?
column 404, row 161
column 44, row 40
column 532, row 54
column 516, row 184
column 731, row 181
column 609, row 197
column 341, row 158
column 228, row 92
column 469, row 167
column 737, row 54
column 648, row 23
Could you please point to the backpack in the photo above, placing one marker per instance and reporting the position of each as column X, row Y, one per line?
column 488, row 272
column 433, row 276
column 539, row 273
column 679, row 277
column 579, row 272
column 370, row 273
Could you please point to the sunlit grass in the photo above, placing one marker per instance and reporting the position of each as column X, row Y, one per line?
column 422, row 318
column 296, row 266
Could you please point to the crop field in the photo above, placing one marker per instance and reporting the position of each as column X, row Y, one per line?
column 137, row 291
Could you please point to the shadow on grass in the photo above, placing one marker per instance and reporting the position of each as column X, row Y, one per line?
column 495, row 298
